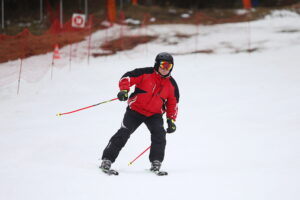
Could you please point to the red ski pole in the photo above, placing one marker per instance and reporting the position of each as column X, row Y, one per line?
column 130, row 163
column 60, row 114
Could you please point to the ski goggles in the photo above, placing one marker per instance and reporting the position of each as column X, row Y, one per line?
column 166, row 65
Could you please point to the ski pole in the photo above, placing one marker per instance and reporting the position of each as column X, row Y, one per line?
column 60, row 114
column 130, row 163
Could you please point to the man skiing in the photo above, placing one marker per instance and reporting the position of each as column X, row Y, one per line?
column 156, row 92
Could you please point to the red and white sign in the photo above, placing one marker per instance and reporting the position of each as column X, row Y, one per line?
column 78, row 20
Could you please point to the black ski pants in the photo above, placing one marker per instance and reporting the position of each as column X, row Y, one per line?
column 132, row 120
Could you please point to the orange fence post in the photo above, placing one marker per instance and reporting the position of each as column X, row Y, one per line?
column 134, row 2
column 247, row 4
column 111, row 10
column 56, row 54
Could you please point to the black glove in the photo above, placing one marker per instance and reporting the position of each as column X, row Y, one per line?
column 171, row 126
column 123, row 95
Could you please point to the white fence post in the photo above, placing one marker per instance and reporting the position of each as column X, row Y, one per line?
column 2, row 16
column 41, row 11
column 61, row 14
column 86, row 9
column 121, row 4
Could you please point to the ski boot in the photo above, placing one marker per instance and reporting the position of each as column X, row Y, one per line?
column 155, row 168
column 105, row 167
column 155, row 165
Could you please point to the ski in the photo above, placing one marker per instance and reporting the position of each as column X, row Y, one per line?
column 160, row 173
column 110, row 172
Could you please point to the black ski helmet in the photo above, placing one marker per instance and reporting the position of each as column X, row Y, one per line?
column 163, row 56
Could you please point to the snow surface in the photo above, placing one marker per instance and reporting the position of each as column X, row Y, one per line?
column 238, row 123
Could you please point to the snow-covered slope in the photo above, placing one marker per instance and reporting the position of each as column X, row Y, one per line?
column 238, row 123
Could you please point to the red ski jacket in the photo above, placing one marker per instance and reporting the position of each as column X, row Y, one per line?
column 153, row 93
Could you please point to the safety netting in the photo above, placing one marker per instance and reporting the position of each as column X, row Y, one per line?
column 62, row 44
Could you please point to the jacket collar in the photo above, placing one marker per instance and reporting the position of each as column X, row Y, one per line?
column 161, row 76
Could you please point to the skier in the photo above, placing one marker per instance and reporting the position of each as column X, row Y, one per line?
column 156, row 92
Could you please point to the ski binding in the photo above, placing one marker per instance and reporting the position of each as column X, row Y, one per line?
column 160, row 173
column 110, row 172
